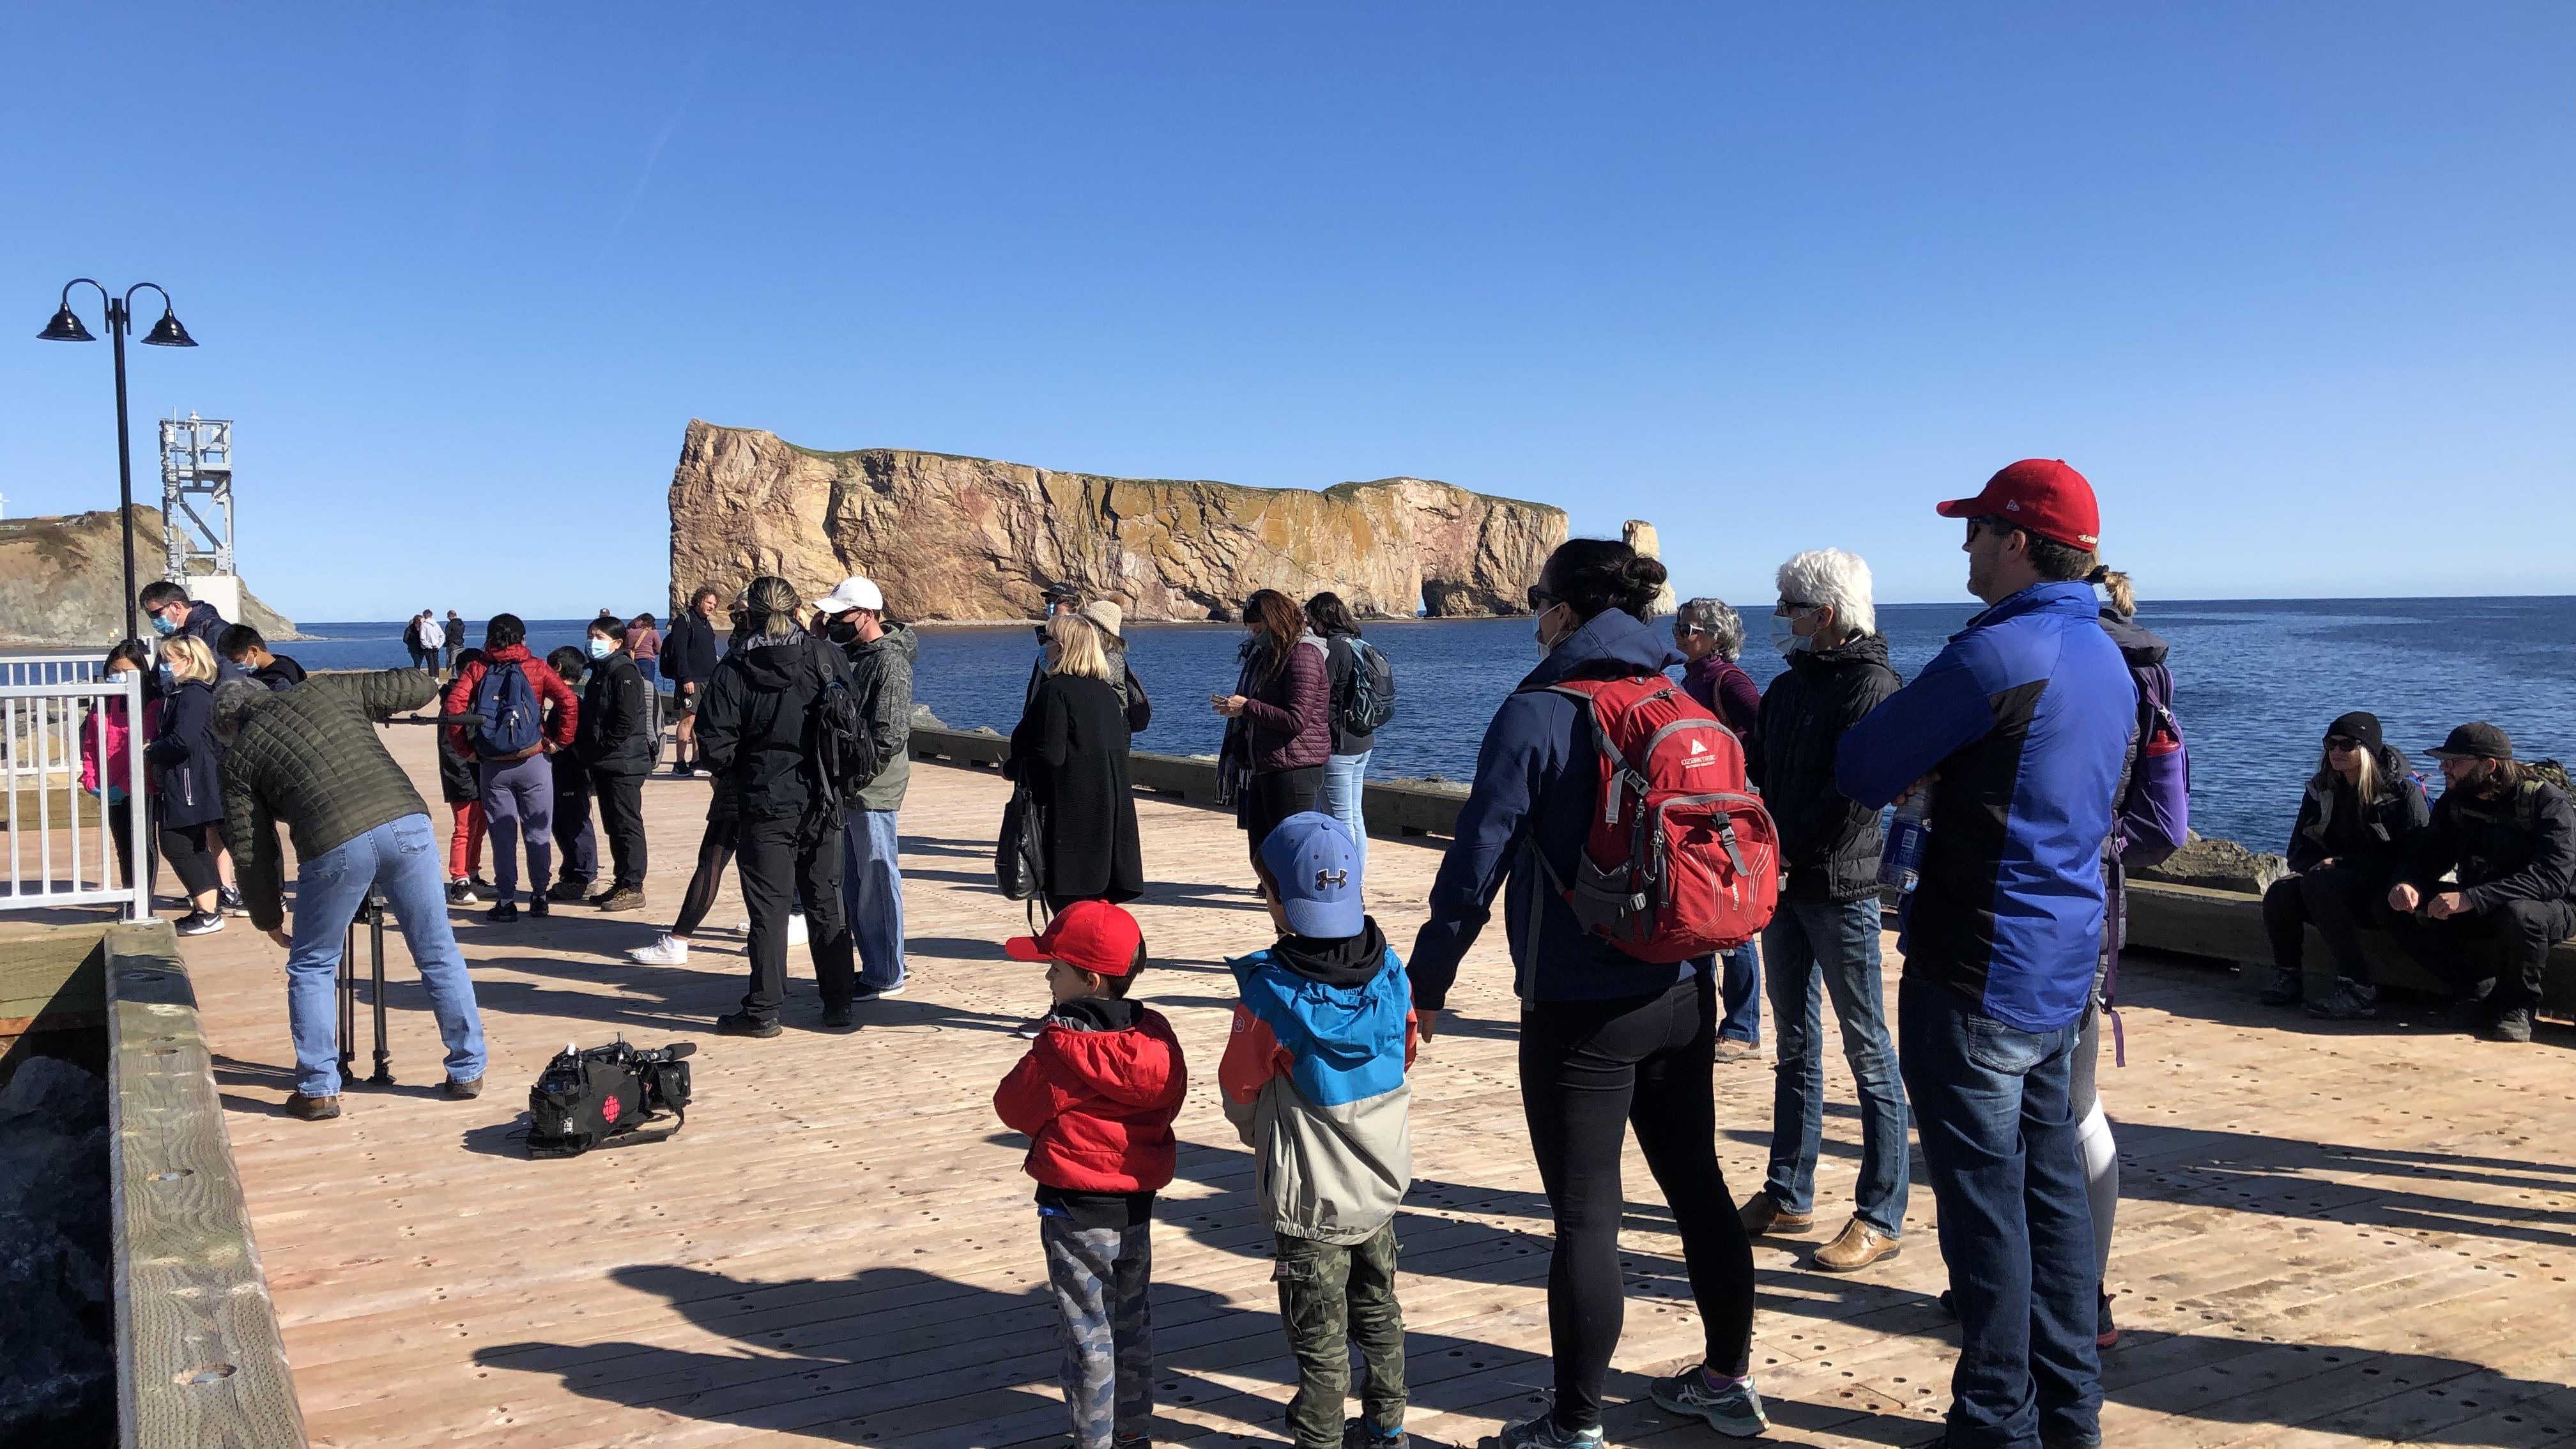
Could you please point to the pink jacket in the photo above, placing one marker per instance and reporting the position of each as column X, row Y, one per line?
column 106, row 736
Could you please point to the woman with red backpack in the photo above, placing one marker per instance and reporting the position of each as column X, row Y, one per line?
column 1607, row 1041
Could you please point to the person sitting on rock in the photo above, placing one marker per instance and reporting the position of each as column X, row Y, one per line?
column 2361, row 810
column 2506, row 828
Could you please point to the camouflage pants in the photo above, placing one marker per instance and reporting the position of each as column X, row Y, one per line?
column 1102, row 1278
column 1330, row 1295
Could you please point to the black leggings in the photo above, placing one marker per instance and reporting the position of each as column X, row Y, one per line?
column 1587, row 1067
column 190, row 849
column 715, row 852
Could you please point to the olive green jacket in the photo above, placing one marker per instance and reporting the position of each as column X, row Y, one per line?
column 309, row 756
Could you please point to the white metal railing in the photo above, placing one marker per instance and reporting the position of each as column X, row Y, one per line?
column 61, row 843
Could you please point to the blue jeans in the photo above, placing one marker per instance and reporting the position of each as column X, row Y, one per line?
column 872, row 895
column 402, row 856
column 2000, row 1142
column 1345, row 786
column 1840, row 944
column 1739, row 995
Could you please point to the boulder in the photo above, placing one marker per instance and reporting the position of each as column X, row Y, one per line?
column 62, row 580
column 1638, row 534
column 975, row 539
column 2220, row 865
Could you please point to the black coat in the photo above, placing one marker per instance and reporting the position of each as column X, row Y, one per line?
column 1339, row 660
column 756, row 728
column 689, row 650
column 1070, row 749
column 612, row 734
column 2521, row 847
column 185, row 759
column 1828, row 842
column 2373, row 840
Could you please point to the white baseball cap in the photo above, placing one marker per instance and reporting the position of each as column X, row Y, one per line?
column 854, row 593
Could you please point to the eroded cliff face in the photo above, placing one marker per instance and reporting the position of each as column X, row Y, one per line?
column 62, row 579
column 972, row 538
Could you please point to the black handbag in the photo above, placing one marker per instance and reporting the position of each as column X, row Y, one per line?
column 1019, row 857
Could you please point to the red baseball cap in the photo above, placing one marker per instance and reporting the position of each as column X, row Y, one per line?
column 2042, row 495
column 1092, row 935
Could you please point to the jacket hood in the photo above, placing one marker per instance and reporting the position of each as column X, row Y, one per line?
column 774, row 666
column 1611, row 644
column 508, row 654
column 2142, row 648
column 1344, row 962
column 1860, row 649
column 1116, row 1047
column 897, row 639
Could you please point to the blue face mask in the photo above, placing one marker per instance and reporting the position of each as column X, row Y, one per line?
column 163, row 626
column 601, row 648
column 169, row 681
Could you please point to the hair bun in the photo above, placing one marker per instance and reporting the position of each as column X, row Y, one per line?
column 1646, row 571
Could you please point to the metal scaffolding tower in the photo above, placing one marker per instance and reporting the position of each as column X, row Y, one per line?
column 197, row 464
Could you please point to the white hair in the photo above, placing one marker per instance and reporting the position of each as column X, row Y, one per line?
column 1831, row 576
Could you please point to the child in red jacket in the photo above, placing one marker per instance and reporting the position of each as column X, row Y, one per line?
column 1096, row 1095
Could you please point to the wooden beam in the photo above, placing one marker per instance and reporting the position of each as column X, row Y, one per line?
column 198, row 1355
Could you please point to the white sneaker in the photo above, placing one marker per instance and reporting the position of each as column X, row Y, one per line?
column 795, row 928
column 669, row 950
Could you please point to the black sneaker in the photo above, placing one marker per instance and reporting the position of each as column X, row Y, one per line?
column 506, row 912
column 743, row 1023
column 2106, row 1334
column 229, row 901
column 568, row 890
column 1356, row 1434
column 540, row 906
column 199, row 923
column 2289, row 987
column 2470, row 1013
column 2512, row 1024
column 2352, row 1001
column 880, row 993
column 838, row 1018
column 461, row 894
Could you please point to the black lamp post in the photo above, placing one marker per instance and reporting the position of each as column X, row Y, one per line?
column 66, row 327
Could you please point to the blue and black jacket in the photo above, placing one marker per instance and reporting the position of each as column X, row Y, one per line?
column 2027, row 716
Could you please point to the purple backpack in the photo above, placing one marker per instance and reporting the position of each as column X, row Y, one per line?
column 2155, row 812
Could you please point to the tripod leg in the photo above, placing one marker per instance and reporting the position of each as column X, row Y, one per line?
column 384, row 1076
column 348, row 1003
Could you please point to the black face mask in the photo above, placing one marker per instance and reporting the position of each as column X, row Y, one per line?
column 841, row 631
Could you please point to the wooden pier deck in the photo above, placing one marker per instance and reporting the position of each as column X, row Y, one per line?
column 2330, row 1236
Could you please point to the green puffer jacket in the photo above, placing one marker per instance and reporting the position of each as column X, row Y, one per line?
column 309, row 756
column 881, row 676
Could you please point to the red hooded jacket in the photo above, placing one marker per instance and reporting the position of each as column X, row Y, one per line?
column 1097, row 1098
column 561, row 720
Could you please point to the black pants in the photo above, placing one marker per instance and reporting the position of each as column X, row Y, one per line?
column 621, row 820
column 2340, row 903
column 2507, row 944
column 783, row 861
column 1269, row 799
column 576, row 843
column 190, row 849
column 1587, row 1067
column 120, row 828
column 715, row 852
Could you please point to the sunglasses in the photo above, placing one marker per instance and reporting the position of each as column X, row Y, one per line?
column 1540, row 600
column 1991, row 524
column 2342, row 742
column 1790, row 607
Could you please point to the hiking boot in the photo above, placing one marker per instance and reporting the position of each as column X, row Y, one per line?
column 567, row 890
column 1858, row 1246
column 624, row 898
column 2106, row 1334
column 1731, row 1050
column 1731, row 1407
column 508, row 911
column 1762, row 1213
column 199, row 923
column 2289, row 986
column 743, row 1023
column 312, row 1109
column 1356, row 1434
column 595, row 899
column 540, row 907
column 2351, row 1001
column 666, row 950
column 462, row 1091
column 2511, row 1024
column 1542, row 1433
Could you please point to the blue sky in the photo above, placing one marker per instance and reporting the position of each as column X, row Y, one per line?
column 2291, row 283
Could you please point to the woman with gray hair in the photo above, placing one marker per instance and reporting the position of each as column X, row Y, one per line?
column 1710, row 635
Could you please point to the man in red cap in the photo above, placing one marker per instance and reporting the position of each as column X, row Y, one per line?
column 2019, row 728
column 1096, row 1095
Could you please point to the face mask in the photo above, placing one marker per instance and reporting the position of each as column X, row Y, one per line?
column 1785, row 638
column 1546, row 646
column 602, row 648
column 842, row 631
column 163, row 627
column 169, row 681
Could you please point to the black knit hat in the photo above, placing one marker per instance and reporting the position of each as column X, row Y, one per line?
column 2360, row 726
column 2476, row 741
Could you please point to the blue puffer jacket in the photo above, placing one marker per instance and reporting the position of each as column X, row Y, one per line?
column 1537, row 786
column 2027, row 716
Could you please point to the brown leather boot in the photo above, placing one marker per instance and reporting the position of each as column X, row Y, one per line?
column 1858, row 1246
column 312, row 1109
column 1762, row 1213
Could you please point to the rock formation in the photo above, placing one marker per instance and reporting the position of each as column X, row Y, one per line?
column 971, row 538
column 1638, row 534
column 62, row 579
column 2219, row 865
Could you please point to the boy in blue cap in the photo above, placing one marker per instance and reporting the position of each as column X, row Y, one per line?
column 1314, row 1077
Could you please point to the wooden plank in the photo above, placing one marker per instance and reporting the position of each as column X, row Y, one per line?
column 200, row 1360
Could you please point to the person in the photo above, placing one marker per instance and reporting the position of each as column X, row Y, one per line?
column 689, row 657
column 1826, row 929
column 1070, row 751
column 1111, row 620
column 755, row 729
column 309, row 758
column 2508, row 831
column 1281, row 715
column 576, row 834
column 1605, row 1039
column 413, row 643
column 243, row 645
column 1314, row 1079
column 2357, row 819
column 454, row 632
column 107, row 760
column 463, row 792
column 1710, row 635
column 644, row 646
column 1345, row 791
column 2020, row 727
column 1096, row 1095
column 615, row 750
column 186, row 759
column 517, row 785
column 880, row 653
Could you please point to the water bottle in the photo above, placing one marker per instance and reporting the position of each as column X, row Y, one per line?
column 1900, row 861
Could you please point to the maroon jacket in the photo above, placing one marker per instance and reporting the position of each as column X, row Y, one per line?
column 1291, row 712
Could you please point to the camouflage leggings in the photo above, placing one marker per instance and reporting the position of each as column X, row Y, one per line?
column 1102, row 1279
column 1329, row 1295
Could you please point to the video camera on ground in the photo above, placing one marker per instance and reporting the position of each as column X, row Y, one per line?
column 587, row 1096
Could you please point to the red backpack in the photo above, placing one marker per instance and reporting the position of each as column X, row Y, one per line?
column 1682, row 859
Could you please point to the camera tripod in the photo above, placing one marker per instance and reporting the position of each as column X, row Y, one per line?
column 371, row 911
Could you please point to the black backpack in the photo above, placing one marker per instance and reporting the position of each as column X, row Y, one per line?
column 1368, row 692
column 845, row 747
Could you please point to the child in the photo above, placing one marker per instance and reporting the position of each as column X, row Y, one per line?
column 572, row 797
column 464, row 796
column 106, row 760
column 1314, row 1077
column 1096, row 1095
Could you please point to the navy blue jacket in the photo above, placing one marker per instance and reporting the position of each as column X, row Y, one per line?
column 2027, row 716
column 1537, row 786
